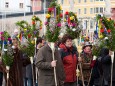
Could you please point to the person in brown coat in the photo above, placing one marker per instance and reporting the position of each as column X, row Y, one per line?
column 15, row 72
column 45, row 65
column 1, row 70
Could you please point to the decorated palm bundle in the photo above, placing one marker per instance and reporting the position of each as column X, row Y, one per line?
column 6, row 50
column 72, row 24
column 53, row 22
column 107, row 31
column 28, row 34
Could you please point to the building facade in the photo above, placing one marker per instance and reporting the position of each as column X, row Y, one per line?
column 37, row 5
column 113, row 9
column 9, row 23
column 13, row 6
column 86, row 11
column 18, row 6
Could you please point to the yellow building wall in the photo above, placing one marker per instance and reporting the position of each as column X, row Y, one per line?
column 83, row 17
column 112, row 3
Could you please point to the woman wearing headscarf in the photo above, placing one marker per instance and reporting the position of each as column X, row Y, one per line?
column 15, row 72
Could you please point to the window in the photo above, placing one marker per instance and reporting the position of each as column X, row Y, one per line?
column 61, row 1
column 6, row 4
column 104, row 9
column 101, row 0
column 91, row 10
column 94, row 10
column 79, row 1
column 101, row 9
column 97, row 10
column 21, row 5
column 85, row 0
column 91, row 0
column 36, row 3
column 85, row 24
column 85, row 10
column 91, row 24
column 79, row 11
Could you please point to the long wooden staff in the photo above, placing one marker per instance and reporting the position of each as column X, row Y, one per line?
column 79, row 50
column 31, row 59
column 91, row 72
column 53, row 50
column 77, row 71
column 90, row 77
column 8, row 68
column 112, row 60
column 36, row 70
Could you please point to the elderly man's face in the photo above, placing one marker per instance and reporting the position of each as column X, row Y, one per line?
column 87, row 49
column 14, row 40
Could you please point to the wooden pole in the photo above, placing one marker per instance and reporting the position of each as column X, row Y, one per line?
column 77, row 74
column 90, row 77
column 53, row 50
column 31, row 59
column 7, row 68
column 112, row 59
column 80, row 50
column 34, row 58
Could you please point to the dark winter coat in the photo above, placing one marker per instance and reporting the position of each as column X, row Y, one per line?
column 27, row 67
column 96, row 75
column 106, row 64
column 69, row 57
column 46, row 72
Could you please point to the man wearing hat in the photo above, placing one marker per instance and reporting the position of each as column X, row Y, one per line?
column 87, row 57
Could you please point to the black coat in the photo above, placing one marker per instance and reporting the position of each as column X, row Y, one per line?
column 96, row 74
column 106, row 64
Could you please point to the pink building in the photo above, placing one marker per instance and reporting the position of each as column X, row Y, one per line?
column 36, row 5
column 113, row 13
column 113, row 9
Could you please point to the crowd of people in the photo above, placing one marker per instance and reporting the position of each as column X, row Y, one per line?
column 93, row 71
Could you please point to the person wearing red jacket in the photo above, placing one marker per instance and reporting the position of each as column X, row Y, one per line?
column 69, row 58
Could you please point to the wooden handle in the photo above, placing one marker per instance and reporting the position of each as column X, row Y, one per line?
column 82, row 74
column 55, row 77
